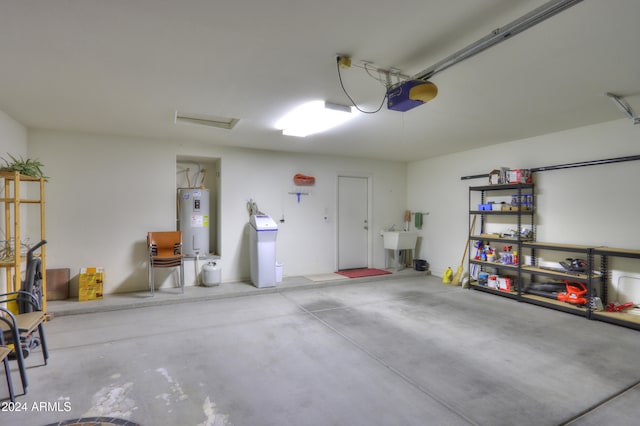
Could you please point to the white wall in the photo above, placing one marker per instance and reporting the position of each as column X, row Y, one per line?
column 13, row 140
column 106, row 192
column 594, row 205
column 13, row 137
column 305, row 243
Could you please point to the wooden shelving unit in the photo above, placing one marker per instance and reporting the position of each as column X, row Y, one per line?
column 13, row 201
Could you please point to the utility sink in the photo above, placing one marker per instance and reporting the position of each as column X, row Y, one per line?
column 399, row 240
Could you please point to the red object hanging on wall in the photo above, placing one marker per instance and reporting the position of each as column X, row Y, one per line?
column 300, row 179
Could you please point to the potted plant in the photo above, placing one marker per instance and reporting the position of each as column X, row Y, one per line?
column 28, row 167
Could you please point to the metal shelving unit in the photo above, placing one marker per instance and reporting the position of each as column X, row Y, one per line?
column 521, row 271
column 513, row 270
column 596, row 283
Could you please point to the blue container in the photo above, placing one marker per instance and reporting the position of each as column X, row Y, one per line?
column 483, row 277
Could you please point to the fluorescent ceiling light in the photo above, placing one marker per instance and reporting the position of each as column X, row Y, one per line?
column 314, row 117
column 206, row 120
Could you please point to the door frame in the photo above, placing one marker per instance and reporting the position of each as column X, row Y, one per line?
column 369, row 179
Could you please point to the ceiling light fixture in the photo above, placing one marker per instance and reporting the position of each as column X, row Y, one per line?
column 206, row 120
column 314, row 117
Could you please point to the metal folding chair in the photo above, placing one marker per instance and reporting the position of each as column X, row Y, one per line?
column 4, row 357
column 19, row 329
column 165, row 251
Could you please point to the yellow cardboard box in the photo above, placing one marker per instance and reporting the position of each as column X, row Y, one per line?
column 90, row 285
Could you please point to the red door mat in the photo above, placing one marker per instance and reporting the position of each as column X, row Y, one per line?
column 363, row 272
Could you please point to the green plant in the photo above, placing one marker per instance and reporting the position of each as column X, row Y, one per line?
column 28, row 167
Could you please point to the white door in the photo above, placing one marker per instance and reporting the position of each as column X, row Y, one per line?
column 353, row 226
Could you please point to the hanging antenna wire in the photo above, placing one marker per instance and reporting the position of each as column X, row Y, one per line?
column 378, row 78
column 349, row 96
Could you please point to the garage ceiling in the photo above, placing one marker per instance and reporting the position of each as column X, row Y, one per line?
column 125, row 67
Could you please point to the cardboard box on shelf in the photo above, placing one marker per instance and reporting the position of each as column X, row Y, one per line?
column 504, row 283
column 498, row 176
column 519, row 176
column 90, row 285
column 492, row 281
column 508, row 208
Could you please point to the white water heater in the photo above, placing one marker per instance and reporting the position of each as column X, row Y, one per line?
column 193, row 220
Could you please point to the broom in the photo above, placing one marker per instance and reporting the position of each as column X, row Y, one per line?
column 457, row 278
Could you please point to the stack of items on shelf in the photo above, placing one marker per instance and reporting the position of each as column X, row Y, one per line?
column 495, row 282
column 486, row 253
column 566, row 290
column 518, row 202
column 506, row 175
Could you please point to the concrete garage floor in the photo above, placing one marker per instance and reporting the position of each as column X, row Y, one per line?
column 406, row 350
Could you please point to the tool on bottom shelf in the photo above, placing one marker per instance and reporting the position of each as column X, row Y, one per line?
column 568, row 291
column 614, row 307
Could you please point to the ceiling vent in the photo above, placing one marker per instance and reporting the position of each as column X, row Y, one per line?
column 206, row 120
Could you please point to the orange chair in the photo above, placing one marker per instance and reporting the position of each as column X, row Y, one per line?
column 165, row 251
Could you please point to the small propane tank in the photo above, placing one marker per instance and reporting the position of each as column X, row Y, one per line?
column 211, row 274
column 448, row 276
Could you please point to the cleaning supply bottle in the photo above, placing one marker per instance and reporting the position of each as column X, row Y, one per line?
column 447, row 277
column 491, row 257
